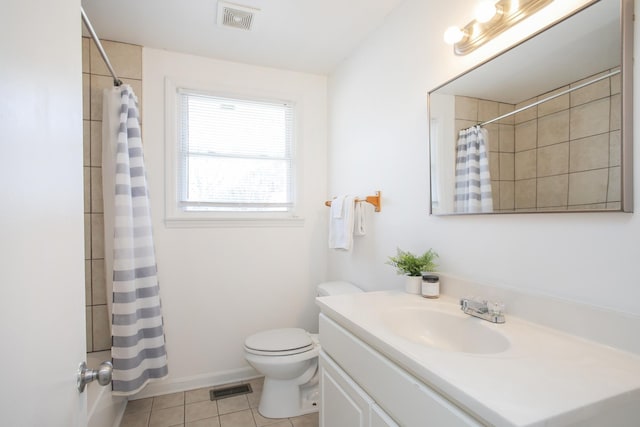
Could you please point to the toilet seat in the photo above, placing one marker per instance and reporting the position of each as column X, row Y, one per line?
column 279, row 342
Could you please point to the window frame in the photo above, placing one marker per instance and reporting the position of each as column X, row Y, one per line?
column 175, row 215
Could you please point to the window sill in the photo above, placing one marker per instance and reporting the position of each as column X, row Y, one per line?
column 233, row 222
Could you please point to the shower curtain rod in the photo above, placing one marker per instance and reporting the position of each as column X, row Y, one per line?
column 549, row 98
column 94, row 36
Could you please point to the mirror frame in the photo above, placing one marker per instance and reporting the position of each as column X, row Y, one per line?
column 626, row 137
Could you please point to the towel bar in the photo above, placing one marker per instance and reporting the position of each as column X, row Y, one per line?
column 374, row 200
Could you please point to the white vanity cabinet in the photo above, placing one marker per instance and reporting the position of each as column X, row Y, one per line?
column 362, row 388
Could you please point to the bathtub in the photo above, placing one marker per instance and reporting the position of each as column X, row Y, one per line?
column 103, row 409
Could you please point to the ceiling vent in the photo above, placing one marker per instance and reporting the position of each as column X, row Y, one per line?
column 236, row 16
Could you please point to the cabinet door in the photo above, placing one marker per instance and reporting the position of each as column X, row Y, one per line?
column 379, row 418
column 342, row 402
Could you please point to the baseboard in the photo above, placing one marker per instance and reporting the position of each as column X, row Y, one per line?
column 174, row 385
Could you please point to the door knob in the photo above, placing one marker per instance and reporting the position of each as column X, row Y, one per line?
column 102, row 374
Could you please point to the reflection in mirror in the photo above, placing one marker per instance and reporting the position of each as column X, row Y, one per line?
column 541, row 127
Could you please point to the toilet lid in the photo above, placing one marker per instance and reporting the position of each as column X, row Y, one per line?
column 279, row 340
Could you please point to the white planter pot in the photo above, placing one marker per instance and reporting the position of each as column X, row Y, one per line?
column 413, row 284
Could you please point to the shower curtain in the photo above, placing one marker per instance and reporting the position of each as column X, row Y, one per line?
column 473, row 182
column 138, row 346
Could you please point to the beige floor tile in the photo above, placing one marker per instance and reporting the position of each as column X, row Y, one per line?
column 254, row 398
column 281, row 423
column 167, row 417
column 257, row 383
column 237, row 419
column 168, row 401
column 309, row 420
column 200, row 410
column 263, row 421
column 233, row 404
column 135, row 419
column 140, row 405
column 207, row 422
column 198, row 395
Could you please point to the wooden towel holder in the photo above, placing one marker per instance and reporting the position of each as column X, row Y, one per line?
column 374, row 200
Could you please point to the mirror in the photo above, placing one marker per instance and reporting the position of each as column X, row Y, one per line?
column 555, row 123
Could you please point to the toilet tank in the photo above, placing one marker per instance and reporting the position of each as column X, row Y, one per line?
column 337, row 288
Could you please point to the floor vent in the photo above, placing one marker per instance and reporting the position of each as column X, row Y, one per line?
column 236, row 16
column 234, row 390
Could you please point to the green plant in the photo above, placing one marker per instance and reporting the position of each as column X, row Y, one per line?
column 412, row 265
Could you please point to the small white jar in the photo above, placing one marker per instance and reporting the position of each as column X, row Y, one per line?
column 430, row 286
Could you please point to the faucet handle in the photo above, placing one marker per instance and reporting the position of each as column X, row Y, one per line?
column 495, row 307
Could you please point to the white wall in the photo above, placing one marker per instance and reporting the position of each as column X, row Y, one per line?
column 42, row 322
column 219, row 285
column 378, row 140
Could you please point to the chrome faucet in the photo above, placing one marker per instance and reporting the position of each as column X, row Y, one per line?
column 491, row 311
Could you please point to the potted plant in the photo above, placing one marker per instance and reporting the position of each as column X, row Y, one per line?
column 413, row 266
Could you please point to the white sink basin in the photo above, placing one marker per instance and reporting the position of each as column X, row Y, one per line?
column 445, row 331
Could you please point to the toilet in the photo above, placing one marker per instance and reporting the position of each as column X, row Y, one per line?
column 288, row 359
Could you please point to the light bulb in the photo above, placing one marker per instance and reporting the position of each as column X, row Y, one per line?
column 485, row 10
column 453, row 35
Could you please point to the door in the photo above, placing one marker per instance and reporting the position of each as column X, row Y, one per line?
column 42, row 325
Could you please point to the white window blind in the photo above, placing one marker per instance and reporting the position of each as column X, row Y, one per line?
column 235, row 155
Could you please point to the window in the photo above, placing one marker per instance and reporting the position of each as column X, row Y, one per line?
column 234, row 155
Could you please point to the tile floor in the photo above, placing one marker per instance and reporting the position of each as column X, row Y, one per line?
column 194, row 409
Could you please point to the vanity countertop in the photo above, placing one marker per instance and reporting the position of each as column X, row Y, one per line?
column 544, row 377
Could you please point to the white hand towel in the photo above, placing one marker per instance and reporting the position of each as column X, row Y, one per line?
column 336, row 206
column 341, row 228
column 360, row 228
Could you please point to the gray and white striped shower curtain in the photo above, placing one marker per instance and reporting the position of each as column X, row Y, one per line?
column 473, row 181
column 138, row 345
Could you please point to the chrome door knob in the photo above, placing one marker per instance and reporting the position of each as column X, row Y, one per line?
column 102, row 374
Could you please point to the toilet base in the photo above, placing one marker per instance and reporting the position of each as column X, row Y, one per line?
column 282, row 399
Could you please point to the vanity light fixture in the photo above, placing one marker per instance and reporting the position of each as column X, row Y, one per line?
column 492, row 18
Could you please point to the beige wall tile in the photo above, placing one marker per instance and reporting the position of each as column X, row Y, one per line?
column 507, row 166
column 89, row 328
column 590, row 119
column 487, row 110
column 126, row 59
column 553, row 128
column 494, row 166
column 528, row 114
column 466, row 108
column 86, row 96
column 552, row 191
column 555, row 105
column 525, row 164
column 507, row 196
column 85, row 55
column 507, row 138
column 588, row 187
column 615, row 148
column 589, row 153
column 97, row 236
column 525, row 194
column 462, row 124
column 98, row 282
column 101, row 330
column 614, row 191
column 553, row 160
column 591, row 92
column 616, row 86
column 86, row 143
column 504, row 109
column 87, row 236
column 98, row 84
column 97, row 205
column 526, row 136
column 96, row 143
column 86, row 182
column 615, row 121
column 87, row 282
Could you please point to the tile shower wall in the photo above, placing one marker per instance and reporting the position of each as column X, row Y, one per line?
column 561, row 154
column 127, row 62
